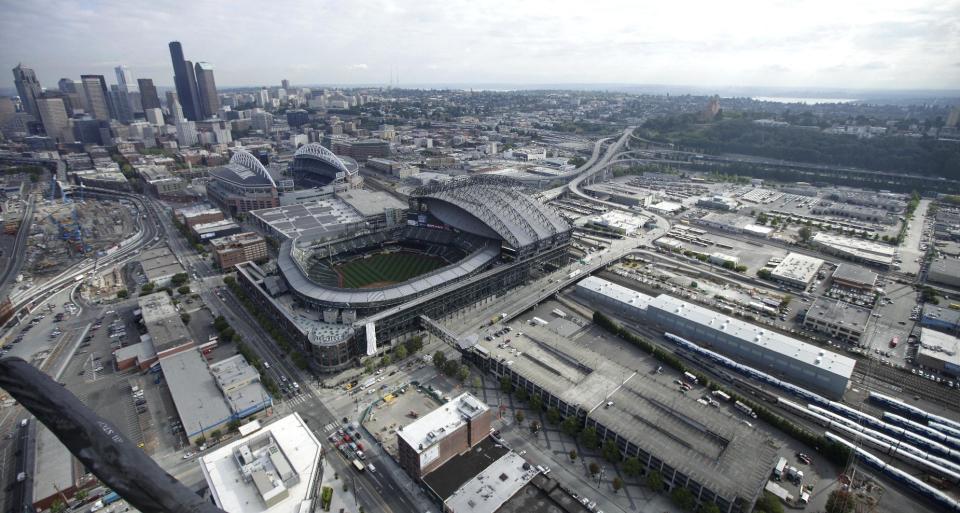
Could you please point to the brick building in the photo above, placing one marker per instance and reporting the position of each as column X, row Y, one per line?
column 451, row 429
column 241, row 247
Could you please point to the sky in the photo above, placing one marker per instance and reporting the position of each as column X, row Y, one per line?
column 825, row 44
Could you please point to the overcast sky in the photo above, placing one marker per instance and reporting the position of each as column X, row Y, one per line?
column 877, row 44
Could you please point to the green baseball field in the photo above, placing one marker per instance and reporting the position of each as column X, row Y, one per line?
column 385, row 269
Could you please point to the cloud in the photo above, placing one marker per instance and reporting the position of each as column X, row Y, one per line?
column 357, row 67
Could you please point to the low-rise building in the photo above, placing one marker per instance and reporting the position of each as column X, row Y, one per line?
column 856, row 250
column 940, row 318
column 797, row 270
column 215, row 229
column 272, row 469
column 436, row 437
column 159, row 266
column 838, row 319
column 855, row 277
column 240, row 247
column 945, row 271
column 939, row 351
column 199, row 214
column 718, row 203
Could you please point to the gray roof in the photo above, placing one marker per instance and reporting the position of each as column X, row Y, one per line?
column 299, row 282
column 371, row 203
column 163, row 322
column 499, row 204
column 244, row 169
column 841, row 313
column 194, row 391
column 856, row 274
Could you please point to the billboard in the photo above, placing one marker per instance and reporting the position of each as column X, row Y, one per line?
column 371, row 339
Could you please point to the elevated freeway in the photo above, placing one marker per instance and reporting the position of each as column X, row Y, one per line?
column 15, row 260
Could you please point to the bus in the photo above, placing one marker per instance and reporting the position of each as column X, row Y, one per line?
column 359, row 466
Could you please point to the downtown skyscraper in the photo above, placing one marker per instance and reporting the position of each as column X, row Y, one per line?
column 186, row 82
column 207, row 90
column 28, row 88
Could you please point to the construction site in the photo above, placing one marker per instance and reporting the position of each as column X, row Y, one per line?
column 63, row 233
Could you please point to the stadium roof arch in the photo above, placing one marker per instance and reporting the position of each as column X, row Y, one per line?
column 245, row 169
column 492, row 206
column 319, row 152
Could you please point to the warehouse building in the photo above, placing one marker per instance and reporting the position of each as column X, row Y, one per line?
column 718, row 203
column 159, row 266
column 838, row 319
column 215, row 229
column 939, row 351
column 798, row 362
column 855, row 277
column 447, row 431
column 856, row 250
column 623, row 302
column 797, row 270
column 945, row 271
column 939, row 318
column 200, row 214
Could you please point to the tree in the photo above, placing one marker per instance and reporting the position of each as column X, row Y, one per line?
column 617, row 484
column 570, row 426
column 439, row 359
column 185, row 317
column 81, row 495
column 683, row 498
column 631, row 467
column 227, row 334
column 229, row 281
column 573, row 455
column 588, row 437
column 693, row 285
column 414, row 344
column 610, row 451
column 368, row 365
column 385, row 360
column 451, row 367
column 463, row 373
column 505, row 385
column 477, row 382
column 400, row 352
column 840, row 501
column 123, row 294
column 58, row 506
column 185, row 289
column 215, row 434
column 553, row 416
column 180, row 278
column 709, row 507
column 233, row 425
column 522, row 395
column 536, row 403
column 220, row 324
column 594, row 468
column 768, row 503
column 147, row 288
column 519, row 416
column 655, row 481
column 805, row 233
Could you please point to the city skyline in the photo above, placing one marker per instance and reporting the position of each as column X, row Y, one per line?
column 820, row 45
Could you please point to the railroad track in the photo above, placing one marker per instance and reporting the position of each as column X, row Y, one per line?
column 908, row 383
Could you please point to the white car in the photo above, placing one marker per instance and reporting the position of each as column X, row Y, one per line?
column 188, row 455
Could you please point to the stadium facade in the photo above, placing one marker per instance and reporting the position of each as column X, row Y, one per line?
column 316, row 166
column 489, row 233
column 244, row 184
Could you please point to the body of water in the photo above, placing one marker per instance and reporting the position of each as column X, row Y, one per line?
column 806, row 101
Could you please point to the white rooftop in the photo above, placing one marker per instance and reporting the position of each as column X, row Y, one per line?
column 232, row 493
column 436, row 425
column 490, row 489
column 797, row 268
column 785, row 346
column 614, row 291
column 867, row 250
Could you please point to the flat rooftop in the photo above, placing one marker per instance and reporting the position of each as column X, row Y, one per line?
column 449, row 477
column 858, row 248
column 436, row 425
column 313, row 220
column 492, row 487
column 797, row 268
column 542, row 495
column 199, row 403
column 782, row 345
column 713, row 447
column 232, row 493
column 614, row 291
column 855, row 274
column 54, row 465
column 940, row 346
column 833, row 311
column 371, row 203
column 163, row 322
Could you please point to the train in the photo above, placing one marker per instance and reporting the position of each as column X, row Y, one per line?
column 931, row 493
column 934, row 465
column 913, row 410
column 931, row 432
column 945, row 429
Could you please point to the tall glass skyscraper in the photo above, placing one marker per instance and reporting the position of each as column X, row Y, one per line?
column 185, row 81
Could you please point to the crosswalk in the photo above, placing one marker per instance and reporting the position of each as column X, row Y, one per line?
column 296, row 400
column 331, row 426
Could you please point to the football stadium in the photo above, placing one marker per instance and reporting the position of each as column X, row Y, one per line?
column 462, row 241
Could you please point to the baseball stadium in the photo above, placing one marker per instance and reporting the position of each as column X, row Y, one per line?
column 463, row 240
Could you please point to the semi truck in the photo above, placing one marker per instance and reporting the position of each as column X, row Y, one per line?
column 779, row 469
column 746, row 410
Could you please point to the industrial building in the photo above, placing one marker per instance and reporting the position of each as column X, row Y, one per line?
column 797, row 270
column 361, row 150
column 940, row 318
column 718, row 203
column 447, row 431
column 855, row 277
column 856, row 250
column 939, row 351
column 271, row 469
column 712, row 453
column 945, row 271
column 734, row 223
column 839, row 319
column 493, row 487
column 241, row 247
column 159, row 266
column 800, row 363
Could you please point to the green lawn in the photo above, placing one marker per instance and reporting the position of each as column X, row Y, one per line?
column 386, row 268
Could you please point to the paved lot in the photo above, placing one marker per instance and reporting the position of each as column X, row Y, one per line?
column 385, row 419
